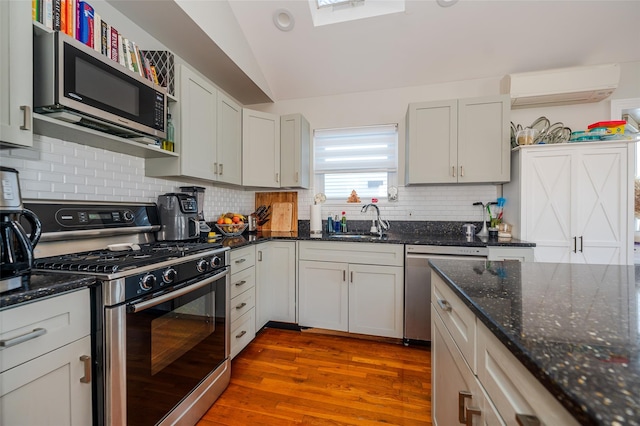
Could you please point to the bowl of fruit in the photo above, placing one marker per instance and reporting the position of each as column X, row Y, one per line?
column 231, row 224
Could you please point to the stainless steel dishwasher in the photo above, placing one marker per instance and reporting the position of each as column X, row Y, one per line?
column 417, row 285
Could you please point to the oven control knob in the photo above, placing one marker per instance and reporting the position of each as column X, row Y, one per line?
column 169, row 275
column 128, row 215
column 215, row 261
column 201, row 266
column 147, row 282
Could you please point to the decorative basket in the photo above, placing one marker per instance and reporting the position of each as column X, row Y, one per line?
column 232, row 229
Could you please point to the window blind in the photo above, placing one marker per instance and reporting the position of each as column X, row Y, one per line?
column 357, row 149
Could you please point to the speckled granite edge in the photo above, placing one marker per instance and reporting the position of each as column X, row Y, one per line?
column 582, row 414
column 44, row 285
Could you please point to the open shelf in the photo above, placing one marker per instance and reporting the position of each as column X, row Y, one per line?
column 48, row 126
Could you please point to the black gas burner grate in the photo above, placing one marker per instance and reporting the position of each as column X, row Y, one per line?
column 109, row 262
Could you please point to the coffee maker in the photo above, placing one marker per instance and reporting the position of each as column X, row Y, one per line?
column 198, row 193
column 16, row 254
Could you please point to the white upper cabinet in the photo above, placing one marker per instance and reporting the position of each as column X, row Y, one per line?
column 229, row 144
column 260, row 149
column 16, row 81
column 458, row 141
column 275, row 150
column 295, row 145
column 574, row 201
column 208, row 125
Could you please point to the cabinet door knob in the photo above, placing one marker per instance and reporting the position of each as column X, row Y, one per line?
column 462, row 395
column 527, row 420
column 87, row 369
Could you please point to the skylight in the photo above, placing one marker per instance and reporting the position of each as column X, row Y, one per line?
column 325, row 12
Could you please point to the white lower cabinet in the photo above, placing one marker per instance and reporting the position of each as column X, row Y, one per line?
column 475, row 377
column 362, row 294
column 242, row 289
column 275, row 282
column 45, row 362
column 457, row 395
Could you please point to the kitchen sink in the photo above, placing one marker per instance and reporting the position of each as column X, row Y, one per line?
column 356, row 236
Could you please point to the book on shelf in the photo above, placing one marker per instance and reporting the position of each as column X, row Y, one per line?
column 128, row 52
column 114, row 45
column 122, row 52
column 48, row 14
column 97, row 32
column 154, row 74
column 141, row 69
column 85, row 26
column 63, row 16
column 35, row 12
column 56, row 15
column 104, row 34
column 71, row 18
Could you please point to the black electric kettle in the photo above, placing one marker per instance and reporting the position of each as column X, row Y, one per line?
column 16, row 246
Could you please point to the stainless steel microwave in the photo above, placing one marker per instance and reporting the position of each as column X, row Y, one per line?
column 75, row 83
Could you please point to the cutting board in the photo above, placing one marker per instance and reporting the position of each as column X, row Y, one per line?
column 269, row 198
column 281, row 217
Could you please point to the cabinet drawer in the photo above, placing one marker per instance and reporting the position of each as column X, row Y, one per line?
column 242, row 303
column 459, row 319
column 242, row 258
column 242, row 281
column 45, row 326
column 243, row 330
column 512, row 388
column 363, row 253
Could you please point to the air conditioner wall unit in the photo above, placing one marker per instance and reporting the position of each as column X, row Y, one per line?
column 561, row 86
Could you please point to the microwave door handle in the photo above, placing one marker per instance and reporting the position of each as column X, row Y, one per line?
column 139, row 307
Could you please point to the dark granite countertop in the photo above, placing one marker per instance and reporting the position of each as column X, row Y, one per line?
column 574, row 327
column 397, row 237
column 44, row 285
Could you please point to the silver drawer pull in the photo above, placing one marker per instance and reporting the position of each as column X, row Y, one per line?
column 37, row 332
column 242, row 333
column 87, row 369
column 527, row 420
column 239, row 283
column 26, row 111
column 241, row 260
column 242, row 305
column 444, row 305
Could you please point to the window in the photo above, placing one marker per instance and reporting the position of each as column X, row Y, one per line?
column 364, row 159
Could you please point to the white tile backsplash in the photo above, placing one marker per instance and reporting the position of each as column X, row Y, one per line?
column 61, row 170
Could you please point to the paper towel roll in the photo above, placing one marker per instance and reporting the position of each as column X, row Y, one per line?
column 316, row 219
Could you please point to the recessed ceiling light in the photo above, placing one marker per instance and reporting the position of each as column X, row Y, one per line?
column 283, row 19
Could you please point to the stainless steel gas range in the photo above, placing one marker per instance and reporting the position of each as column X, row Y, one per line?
column 160, row 314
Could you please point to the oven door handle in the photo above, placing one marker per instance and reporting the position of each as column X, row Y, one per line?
column 138, row 307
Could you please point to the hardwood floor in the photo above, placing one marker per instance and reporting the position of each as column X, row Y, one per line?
column 287, row 377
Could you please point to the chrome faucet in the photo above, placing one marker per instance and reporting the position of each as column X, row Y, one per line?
column 381, row 224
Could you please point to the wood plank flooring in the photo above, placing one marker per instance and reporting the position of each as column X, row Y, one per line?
column 287, row 377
